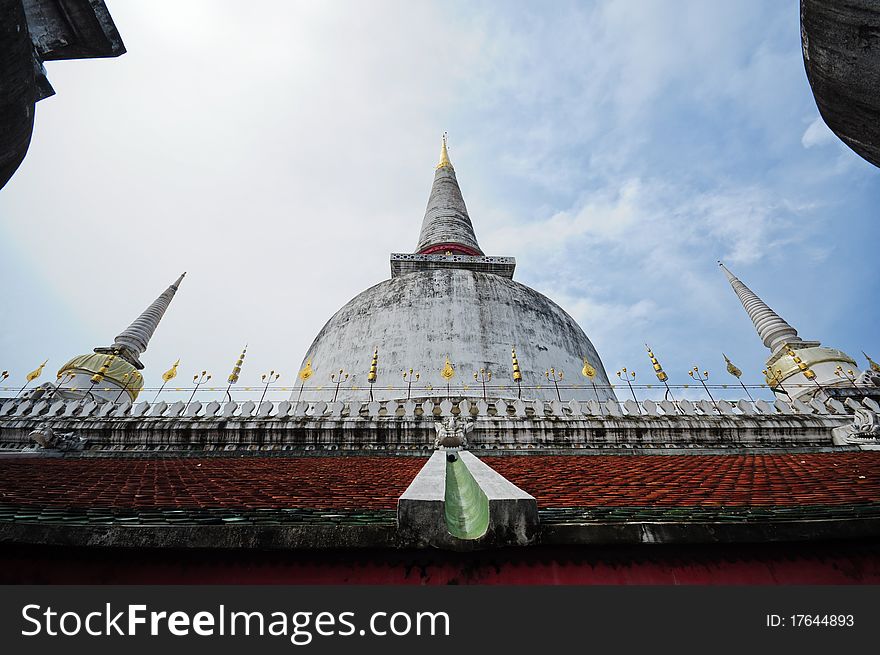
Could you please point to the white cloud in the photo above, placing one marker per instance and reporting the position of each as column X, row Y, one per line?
column 817, row 134
column 643, row 218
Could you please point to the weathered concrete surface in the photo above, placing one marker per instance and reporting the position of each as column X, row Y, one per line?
column 421, row 517
column 696, row 532
column 403, row 263
column 446, row 217
column 416, row 435
column 418, row 319
column 513, row 513
column 313, row 537
column 841, row 46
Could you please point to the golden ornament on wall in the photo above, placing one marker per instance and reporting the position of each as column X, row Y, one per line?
column 307, row 371
column 447, row 372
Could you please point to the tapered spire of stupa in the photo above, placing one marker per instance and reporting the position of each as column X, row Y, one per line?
column 447, row 226
column 772, row 328
column 134, row 339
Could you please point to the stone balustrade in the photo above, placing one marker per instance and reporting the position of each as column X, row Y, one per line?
column 420, row 409
column 409, row 425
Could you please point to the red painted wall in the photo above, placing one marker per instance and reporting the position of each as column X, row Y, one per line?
column 856, row 562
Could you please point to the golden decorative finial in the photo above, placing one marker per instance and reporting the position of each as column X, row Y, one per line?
column 304, row 375
column 447, row 372
column 774, row 379
column 848, row 374
column 444, row 155
column 372, row 375
column 703, row 379
column 198, row 380
column 874, row 365
column 658, row 370
column 338, row 379
column 171, row 373
column 588, row 371
column 201, row 378
column 731, row 368
column 555, row 377
column 37, row 372
column 623, row 373
column 167, row 376
column 408, row 378
column 268, row 378
column 307, row 371
column 483, row 377
column 517, row 374
column 735, row 372
column 236, row 369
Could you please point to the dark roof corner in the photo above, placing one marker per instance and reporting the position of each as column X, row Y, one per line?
column 72, row 29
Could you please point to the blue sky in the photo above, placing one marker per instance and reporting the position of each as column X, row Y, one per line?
column 279, row 152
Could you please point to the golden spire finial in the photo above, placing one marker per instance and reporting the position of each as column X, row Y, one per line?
column 373, row 375
column 658, row 370
column 444, row 155
column 236, row 368
column 517, row 374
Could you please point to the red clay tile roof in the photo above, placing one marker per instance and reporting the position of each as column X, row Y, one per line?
column 375, row 483
column 695, row 480
column 209, row 482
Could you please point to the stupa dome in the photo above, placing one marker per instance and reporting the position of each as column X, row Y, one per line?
column 419, row 319
column 448, row 308
column 116, row 374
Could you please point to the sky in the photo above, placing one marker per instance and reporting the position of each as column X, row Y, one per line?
column 280, row 151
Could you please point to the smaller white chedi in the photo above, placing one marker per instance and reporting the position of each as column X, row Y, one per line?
column 112, row 373
column 796, row 368
column 453, row 320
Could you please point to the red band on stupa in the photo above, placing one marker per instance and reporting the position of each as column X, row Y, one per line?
column 442, row 248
